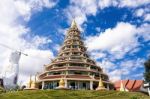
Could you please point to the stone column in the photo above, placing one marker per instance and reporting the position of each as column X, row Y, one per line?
column 91, row 85
column 149, row 91
column 43, row 85
column 78, row 85
column 65, row 83
column 108, row 86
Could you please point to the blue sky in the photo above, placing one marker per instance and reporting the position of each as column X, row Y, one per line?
column 116, row 32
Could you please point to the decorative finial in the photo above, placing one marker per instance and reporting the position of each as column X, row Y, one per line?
column 122, row 87
column 30, row 82
column 31, row 85
column 61, row 83
column 101, row 85
column 73, row 24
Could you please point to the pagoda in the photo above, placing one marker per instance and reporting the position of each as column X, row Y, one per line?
column 73, row 65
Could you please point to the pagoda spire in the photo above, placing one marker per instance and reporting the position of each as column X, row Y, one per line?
column 122, row 87
column 101, row 85
column 73, row 24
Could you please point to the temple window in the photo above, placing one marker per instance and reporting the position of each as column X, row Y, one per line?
column 75, row 46
column 78, row 72
column 93, row 67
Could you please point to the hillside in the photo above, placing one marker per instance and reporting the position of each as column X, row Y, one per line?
column 67, row 94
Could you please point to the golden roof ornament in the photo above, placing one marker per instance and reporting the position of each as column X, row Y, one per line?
column 30, row 82
column 73, row 24
column 61, row 83
column 122, row 88
column 32, row 85
column 101, row 85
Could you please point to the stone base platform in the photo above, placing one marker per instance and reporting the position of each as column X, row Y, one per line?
column 61, row 88
column 101, row 88
column 31, row 89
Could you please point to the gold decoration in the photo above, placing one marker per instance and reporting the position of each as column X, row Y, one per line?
column 101, row 85
column 122, row 88
column 61, row 83
column 32, row 84
column 73, row 24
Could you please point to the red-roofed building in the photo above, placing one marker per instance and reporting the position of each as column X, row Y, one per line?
column 131, row 85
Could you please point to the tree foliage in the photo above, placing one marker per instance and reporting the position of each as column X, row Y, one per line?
column 147, row 70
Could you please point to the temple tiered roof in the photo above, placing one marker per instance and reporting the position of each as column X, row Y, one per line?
column 72, row 61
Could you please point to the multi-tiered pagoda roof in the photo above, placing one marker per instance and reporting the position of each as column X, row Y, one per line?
column 73, row 63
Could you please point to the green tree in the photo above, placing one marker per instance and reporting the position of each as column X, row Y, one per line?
column 147, row 70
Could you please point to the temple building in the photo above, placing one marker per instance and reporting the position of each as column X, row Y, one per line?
column 129, row 85
column 73, row 65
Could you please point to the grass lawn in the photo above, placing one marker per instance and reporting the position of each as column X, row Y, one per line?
column 71, row 94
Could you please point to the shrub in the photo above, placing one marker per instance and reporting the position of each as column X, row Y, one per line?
column 2, row 90
column 134, row 97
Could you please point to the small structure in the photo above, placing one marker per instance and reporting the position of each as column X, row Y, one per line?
column 61, row 84
column 147, row 86
column 31, row 85
column 128, row 85
column 122, row 88
column 101, row 85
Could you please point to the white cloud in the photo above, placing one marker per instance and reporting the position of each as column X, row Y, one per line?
column 27, row 7
column 116, row 39
column 79, row 15
column 144, row 31
column 143, row 13
column 115, row 75
column 107, row 3
column 122, row 69
column 11, row 32
column 147, row 17
column 87, row 6
column 62, row 31
column 130, row 66
column 139, row 12
column 98, row 29
column 110, row 69
column 80, row 9
column 107, row 65
column 57, row 47
column 97, row 55
column 134, row 64
column 133, row 3
column 34, row 62
column 118, row 42
column 36, row 41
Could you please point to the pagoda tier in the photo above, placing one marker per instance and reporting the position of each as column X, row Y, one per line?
column 72, row 63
